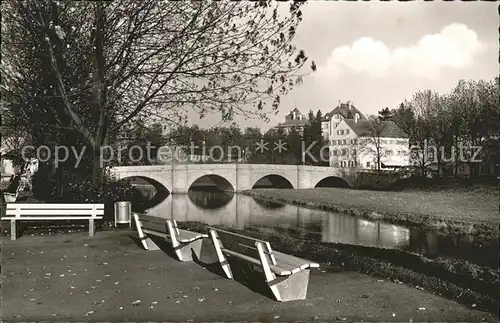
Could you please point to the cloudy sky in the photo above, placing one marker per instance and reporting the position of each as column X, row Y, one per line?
column 377, row 54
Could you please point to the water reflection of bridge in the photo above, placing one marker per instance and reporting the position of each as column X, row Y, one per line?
column 241, row 212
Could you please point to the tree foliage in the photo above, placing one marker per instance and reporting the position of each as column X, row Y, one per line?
column 467, row 116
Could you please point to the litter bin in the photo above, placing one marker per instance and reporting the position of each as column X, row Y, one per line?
column 123, row 213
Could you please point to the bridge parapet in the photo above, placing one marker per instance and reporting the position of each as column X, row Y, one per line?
column 179, row 177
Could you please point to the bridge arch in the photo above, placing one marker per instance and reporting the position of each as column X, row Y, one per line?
column 273, row 181
column 214, row 181
column 139, row 201
column 333, row 181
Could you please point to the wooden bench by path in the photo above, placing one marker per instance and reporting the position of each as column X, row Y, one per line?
column 52, row 212
column 287, row 276
column 184, row 242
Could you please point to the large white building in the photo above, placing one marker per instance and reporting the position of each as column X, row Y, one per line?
column 333, row 118
column 359, row 142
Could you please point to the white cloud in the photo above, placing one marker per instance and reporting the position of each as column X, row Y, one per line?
column 454, row 47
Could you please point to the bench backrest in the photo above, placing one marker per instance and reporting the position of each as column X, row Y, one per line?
column 53, row 209
column 244, row 245
column 152, row 223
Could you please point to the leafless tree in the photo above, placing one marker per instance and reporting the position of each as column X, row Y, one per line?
column 108, row 63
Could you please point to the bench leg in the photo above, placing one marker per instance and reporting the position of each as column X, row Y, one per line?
column 91, row 227
column 290, row 288
column 222, row 260
column 185, row 251
column 13, row 230
column 151, row 245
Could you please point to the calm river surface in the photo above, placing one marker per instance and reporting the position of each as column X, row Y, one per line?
column 240, row 212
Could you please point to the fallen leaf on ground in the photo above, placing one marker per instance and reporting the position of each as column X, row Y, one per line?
column 196, row 288
column 421, row 308
column 201, row 299
column 215, row 289
column 137, row 302
column 89, row 312
column 276, row 317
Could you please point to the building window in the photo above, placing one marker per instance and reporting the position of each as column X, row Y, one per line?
column 344, row 152
column 334, row 153
column 340, row 142
column 353, row 152
column 332, row 142
column 367, row 164
column 383, row 142
column 347, row 131
column 344, row 142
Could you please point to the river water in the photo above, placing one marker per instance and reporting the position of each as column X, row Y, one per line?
column 242, row 212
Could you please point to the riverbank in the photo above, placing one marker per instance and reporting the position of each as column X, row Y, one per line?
column 111, row 278
column 473, row 212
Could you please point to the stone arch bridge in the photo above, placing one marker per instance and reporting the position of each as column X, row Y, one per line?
column 236, row 177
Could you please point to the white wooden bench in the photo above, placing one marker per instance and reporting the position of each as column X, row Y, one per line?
column 287, row 276
column 184, row 242
column 52, row 212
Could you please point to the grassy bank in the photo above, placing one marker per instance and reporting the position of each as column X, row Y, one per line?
column 472, row 212
column 466, row 283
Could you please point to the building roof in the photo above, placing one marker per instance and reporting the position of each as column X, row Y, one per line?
column 363, row 128
column 344, row 109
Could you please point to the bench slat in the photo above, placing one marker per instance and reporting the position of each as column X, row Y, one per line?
column 185, row 236
column 155, row 226
column 34, row 218
column 239, row 243
column 54, row 212
column 294, row 261
column 156, row 233
column 277, row 270
column 53, row 206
